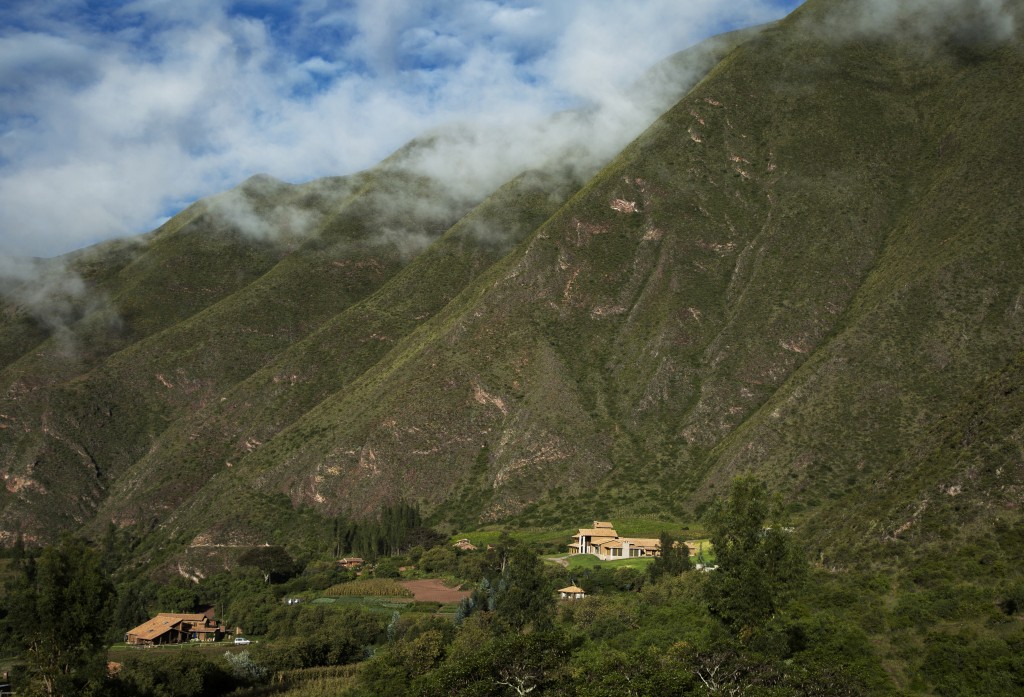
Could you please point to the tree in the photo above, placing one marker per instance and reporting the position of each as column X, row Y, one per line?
column 244, row 668
column 758, row 562
column 438, row 559
column 179, row 595
column 479, row 663
column 60, row 610
column 174, row 674
column 274, row 561
column 386, row 567
column 603, row 671
column 131, row 608
column 674, row 559
column 523, row 596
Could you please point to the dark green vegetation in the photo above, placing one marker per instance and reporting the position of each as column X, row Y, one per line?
column 810, row 268
column 764, row 622
column 508, row 635
column 54, row 616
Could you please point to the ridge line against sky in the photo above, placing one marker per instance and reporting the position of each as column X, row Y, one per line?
column 114, row 115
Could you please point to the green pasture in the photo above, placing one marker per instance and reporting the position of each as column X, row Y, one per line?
column 589, row 561
column 377, row 603
column 119, row 651
column 547, row 537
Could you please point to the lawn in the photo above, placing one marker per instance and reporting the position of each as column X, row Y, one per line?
column 626, row 527
column 389, row 605
column 707, row 551
column 119, row 651
column 535, row 536
column 589, row 561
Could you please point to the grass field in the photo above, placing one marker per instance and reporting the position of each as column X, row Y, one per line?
column 588, row 561
column 119, row 651
column 537, row 536
column 374, row 603
column 548, row 537
column 389, row 605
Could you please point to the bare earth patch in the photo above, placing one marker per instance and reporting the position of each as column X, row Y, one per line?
column 434, row 590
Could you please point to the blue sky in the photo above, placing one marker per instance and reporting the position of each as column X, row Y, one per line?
column 115, row 114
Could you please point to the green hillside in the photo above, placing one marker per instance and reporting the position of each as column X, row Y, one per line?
column 796, row 271
column 809, row 268
column 137, row 370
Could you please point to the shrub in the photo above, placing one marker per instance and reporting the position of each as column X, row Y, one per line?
column 173, row 674
column 438, row 560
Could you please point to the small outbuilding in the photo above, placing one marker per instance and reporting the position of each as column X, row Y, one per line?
column 571, row 593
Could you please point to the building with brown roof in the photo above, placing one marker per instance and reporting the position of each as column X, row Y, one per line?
column 571, row 593
column 604, row 543
column 175, row 628
column 588, row 540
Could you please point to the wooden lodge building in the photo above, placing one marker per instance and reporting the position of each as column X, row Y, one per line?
column 176, row 628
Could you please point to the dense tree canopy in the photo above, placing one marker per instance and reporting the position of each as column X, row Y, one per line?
column 674, row 559
column 758, row 561
column 59, row 611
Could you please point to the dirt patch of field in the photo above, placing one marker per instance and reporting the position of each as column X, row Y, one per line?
column 433, row 590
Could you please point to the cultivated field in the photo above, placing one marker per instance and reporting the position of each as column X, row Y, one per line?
column 434, row 590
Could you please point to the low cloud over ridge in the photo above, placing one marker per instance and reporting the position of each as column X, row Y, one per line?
column 111, row 120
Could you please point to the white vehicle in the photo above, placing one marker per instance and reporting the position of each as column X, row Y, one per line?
column 242, row 640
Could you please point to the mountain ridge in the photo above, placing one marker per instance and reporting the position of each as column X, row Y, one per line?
column 798, row 270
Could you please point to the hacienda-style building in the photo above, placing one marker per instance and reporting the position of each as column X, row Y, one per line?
column 176, row 628
column 604, row 543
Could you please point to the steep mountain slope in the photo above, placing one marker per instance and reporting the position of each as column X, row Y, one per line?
column 810, row 267
column 202, row 444
column 136, row 371
column 796, row 271
column 80, row 435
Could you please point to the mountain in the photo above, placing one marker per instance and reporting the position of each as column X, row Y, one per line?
column 809, row 267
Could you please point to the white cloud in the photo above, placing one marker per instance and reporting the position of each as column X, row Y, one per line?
column 104, row 128
column 957, row 20
column 53, row 296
